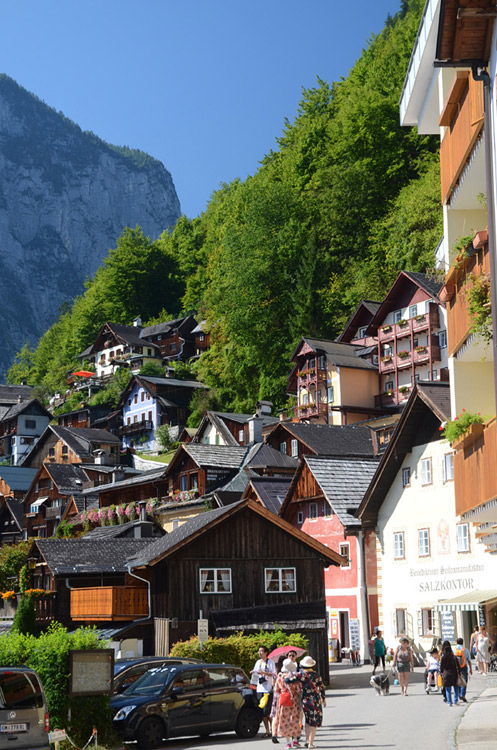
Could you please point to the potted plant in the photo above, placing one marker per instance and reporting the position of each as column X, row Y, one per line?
column 420, row 349
column 386, row 358
column 402, row 322
column 404, row 354
column 386, row 328
column 463, row 429
column 421, row 316
column 404, row 389
column 389, row 392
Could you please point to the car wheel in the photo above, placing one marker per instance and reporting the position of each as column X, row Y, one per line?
column 150, row 734
column 247, row 724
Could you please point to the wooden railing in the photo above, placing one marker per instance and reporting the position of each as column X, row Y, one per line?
column 458, row 320
column 475, row 478
column 109, row 603
column 463, row 116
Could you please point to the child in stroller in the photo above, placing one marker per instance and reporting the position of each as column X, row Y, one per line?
column 431, row 671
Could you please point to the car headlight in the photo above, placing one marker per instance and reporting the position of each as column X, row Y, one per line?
column 123, row 712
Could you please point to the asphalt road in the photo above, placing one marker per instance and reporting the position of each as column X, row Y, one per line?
column 356, row 718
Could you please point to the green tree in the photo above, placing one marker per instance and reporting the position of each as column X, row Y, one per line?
column 152, row 369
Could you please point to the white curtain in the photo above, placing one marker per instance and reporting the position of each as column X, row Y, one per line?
column 225, row 576
column 289, row 579
column 204, row 575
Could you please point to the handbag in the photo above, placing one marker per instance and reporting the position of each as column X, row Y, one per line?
column 439, row 680
column 286, row 699
column 461, row 682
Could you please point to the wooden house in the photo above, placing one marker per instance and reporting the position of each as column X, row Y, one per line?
column 174, row 338
column 86, row 416
column 200, row 468
column 49, row 493
column 356, row 328
column 268, row 491
column 140, row 486
column 21, row 425
column 202, row 338
column 321, row 501
column 297, row 439
column 118, row 345
column 14, row 483
column 245, row 569
column 73, row 445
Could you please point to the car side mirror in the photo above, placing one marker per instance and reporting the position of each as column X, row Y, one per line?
column 176, row 691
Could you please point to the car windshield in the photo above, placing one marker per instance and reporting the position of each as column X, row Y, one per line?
column 152, row 682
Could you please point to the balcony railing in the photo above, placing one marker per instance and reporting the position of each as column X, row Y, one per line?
column 135, row 427
column 463, row 116
column 109, row 603
column 475, row 478
column 409, row 326
column 312, row 410
column 54, row 512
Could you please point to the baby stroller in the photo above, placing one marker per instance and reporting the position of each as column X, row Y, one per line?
column 430, row 688
column 492, row 664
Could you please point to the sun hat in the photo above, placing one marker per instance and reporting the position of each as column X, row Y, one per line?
column 307, row 662
column 289, row 666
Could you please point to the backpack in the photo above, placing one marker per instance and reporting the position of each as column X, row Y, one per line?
column 459, row 652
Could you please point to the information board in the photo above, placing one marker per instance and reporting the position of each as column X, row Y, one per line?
column 203, row 630
column 448, row 626
column 355, row 639
column 92, row 671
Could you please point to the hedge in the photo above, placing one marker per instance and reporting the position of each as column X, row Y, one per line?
column 238, row 649
column 48, row 654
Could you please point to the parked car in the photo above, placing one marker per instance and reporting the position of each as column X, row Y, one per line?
column 24, row 721
column 183, row 700
column 126, row 671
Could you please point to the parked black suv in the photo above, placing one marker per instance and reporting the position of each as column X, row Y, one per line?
column 126, row 671
column 183, row 700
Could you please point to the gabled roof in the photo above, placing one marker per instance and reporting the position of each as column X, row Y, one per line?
column 195, row 527
column 339, row 354
column 67, row 476
column 217, row 418
column 360, row 318
column 390, row 301
column 20, row 408
column 267, row 457
column 333, row 440
column 342, row 480
column 79, row 439
column 16, row 511
column 428, row 406
column 9, row 394
column 211, row 456
column 143, row 477
column 271, row 491
column 77, row 556
column 167, row 327
column 122, row 530
column 123, row 333
column 17, row 478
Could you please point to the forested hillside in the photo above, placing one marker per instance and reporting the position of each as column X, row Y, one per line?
column 346, row 199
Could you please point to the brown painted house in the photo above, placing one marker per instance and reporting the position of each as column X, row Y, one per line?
column 299, row 439
column 72, row 445
column 14, row 483
column 174, row 338
column 201, row 468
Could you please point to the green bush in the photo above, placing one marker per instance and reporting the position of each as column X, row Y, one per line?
column 238, row 649
column 25, row 617
column 49, row 656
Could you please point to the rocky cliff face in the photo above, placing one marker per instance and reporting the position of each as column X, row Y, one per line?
column 65, row 197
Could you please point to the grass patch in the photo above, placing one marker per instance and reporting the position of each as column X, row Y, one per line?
column 162, row 458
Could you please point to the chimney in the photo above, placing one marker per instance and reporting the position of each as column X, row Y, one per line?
column 263, row 408
column 143, row 510
column 24, row 381
column 118, row 474
column 254, row 430
column 137, row 322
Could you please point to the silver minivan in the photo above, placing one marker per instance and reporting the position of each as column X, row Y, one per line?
column 24, row 721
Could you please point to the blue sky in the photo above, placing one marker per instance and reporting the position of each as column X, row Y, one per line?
column 202, row 85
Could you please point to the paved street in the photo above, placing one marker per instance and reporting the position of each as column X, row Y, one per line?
column 356, row 718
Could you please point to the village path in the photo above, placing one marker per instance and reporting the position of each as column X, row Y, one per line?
column 357, row 719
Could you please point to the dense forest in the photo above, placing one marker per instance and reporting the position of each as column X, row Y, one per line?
column 345, row 200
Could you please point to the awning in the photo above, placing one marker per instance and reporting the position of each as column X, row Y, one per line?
column 38, row 502
column 468, row 602
column 84, row 374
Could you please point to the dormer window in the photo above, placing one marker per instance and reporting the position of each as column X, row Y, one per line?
column 397, row 316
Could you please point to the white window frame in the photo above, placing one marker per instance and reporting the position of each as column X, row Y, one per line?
column 283, row 447
column 448, row 467
column 300, row 517
column 400, row 617
column 240, row 436
column 216, row 580
column 462, row 532
column 424, row 542
column 399, row 550
column 281, row 580
column 427, row 622
column 406, row 476
column 442, row 339
column 344, row 550
column 413, row 311
column 426, row 472
column 313, row 511
column 397, row 316
column 330, row 394
column 294, row 448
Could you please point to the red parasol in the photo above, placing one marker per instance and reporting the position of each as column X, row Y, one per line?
column 84, row 374
column 285, row 649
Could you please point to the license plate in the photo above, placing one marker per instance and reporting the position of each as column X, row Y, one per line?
column 8, row 728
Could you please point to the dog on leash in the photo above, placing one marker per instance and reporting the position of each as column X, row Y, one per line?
column 381, row 683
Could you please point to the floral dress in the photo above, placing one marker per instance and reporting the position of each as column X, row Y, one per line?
column 313, row 695
column 287, row 719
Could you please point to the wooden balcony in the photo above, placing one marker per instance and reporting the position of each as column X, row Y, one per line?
column 136, row 427
column 475, row 478
column 44, row 608
column 109, row 603
column 463, row 117
column 311, row 411
column 477, row 262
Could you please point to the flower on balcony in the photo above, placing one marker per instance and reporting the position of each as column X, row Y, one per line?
column 130, row 512
column 389, row 392
column 112, row 515
column 386, row 328
column 386, row 358
column 120, row 513
column 419, row 317
column 93, row 516
column 420, row 349
column 36, row 593
column 183, row 496
column 9, row 596
column 102, row 516
column 458, row 426
column 150, row 506
column 404, row 354
column 404, row 389
column 402, row 322
column 479, row 305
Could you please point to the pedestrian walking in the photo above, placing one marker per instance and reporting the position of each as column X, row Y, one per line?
column 449, row 666
column 482, row 650
column 472, row 643
column 403, row 661
column 379, row 650
column 263, row 673
column 313, row 699
column 464, row 659
column 276, row 696
column 287, row 719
